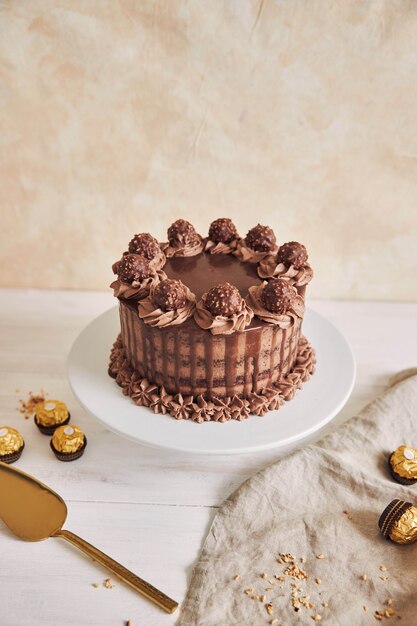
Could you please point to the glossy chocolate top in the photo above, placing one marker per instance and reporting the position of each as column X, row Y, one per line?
column 204, row 271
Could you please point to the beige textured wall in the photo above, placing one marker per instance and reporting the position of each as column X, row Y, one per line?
column 119, row 116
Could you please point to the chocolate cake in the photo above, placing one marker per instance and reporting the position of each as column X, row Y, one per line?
column 211, row 327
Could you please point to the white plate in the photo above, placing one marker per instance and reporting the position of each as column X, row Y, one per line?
column 319, row 401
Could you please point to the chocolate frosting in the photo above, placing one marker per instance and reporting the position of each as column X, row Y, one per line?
column 198, row 408
column 154, row 316
column 183, row 250
column 219, row 324
column 283, row 321
column 269, row 268
column 219, row 247
column 137, row 290
column 244, row 253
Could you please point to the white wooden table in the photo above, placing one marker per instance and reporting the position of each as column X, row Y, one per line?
column 148, row 509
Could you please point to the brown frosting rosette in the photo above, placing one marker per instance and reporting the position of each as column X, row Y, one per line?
column 291, row 262
column 276, row 302
column 169, row 303
column 183, row 240
column 135, row 277
column 223, row 237
column 259, row 242
column 222, row 310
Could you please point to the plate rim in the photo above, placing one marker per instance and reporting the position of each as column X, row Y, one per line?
column 271, row 445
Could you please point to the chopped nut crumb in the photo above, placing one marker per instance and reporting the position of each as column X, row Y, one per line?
column 108, row 583
column 27, row 407
column 303, row 559
column 365, row 608
column 95, row 585
column 274, row 621
column 248, row 591
column 262, row 598
column 384, row 578
column 389, row 612
column 325, row 604
column 382, row 568
column 318, row 581
column 364, row 577
column 390, row 601
column 128, row 622
column 320, row 556
column 316, row 618
column 269, row 608
column 263, row 575
column 237, row 577
column 268, row 588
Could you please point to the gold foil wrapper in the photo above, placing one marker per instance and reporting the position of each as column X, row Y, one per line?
column 68, row 439
column 51, row 412
column 404, row 530
column 10, row 440
column 404, row 462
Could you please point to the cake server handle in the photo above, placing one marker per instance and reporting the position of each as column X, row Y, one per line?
column 144, row 588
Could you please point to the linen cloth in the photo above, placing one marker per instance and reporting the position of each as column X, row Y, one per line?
column 297, row 506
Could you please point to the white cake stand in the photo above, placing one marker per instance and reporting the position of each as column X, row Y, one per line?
column 315, row 405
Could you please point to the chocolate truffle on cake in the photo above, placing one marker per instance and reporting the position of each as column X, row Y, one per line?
column 68, row 443
column 403, row 465
column 261, row 239
column 222, row 230
column 145, row 245
column 224, row 300
column 183, row 240
column 398, row 522
column 278, row 296
column 11, row 444
column 182, row 233
column 169, row 295
column 292, row 253
column 222, row 310
column 50, row 414
column 133, row 268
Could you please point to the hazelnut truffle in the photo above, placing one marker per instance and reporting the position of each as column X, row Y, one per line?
column 278, row 296
column 11, row 444
column 170, row 295
column 68, row 443
column 222, row 230
column 50, row 414
column 403, row 465
column 182, row 233
column 224, row 300
column 292, row 253
column 261, row 239
column 144, row 244
column 133, row 268
column 398, row 522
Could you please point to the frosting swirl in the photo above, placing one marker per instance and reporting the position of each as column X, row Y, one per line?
column 137, row 290
column 285, row 320
column 404, row 462
column 220, row 247
column 10, row 440
column 246, row 254
column 156, row 317
column 51, row 412
column 181, row 249
column 270, row 268
column 68, row 439
column 220, row 324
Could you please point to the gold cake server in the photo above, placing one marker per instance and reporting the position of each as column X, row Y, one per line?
column 34, row 512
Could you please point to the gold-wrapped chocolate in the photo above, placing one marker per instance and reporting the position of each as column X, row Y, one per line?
column 10, row 440
column 398, row 522
column 68, row 439
column 11, row 444
column 403, row 465
column 51, row 413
